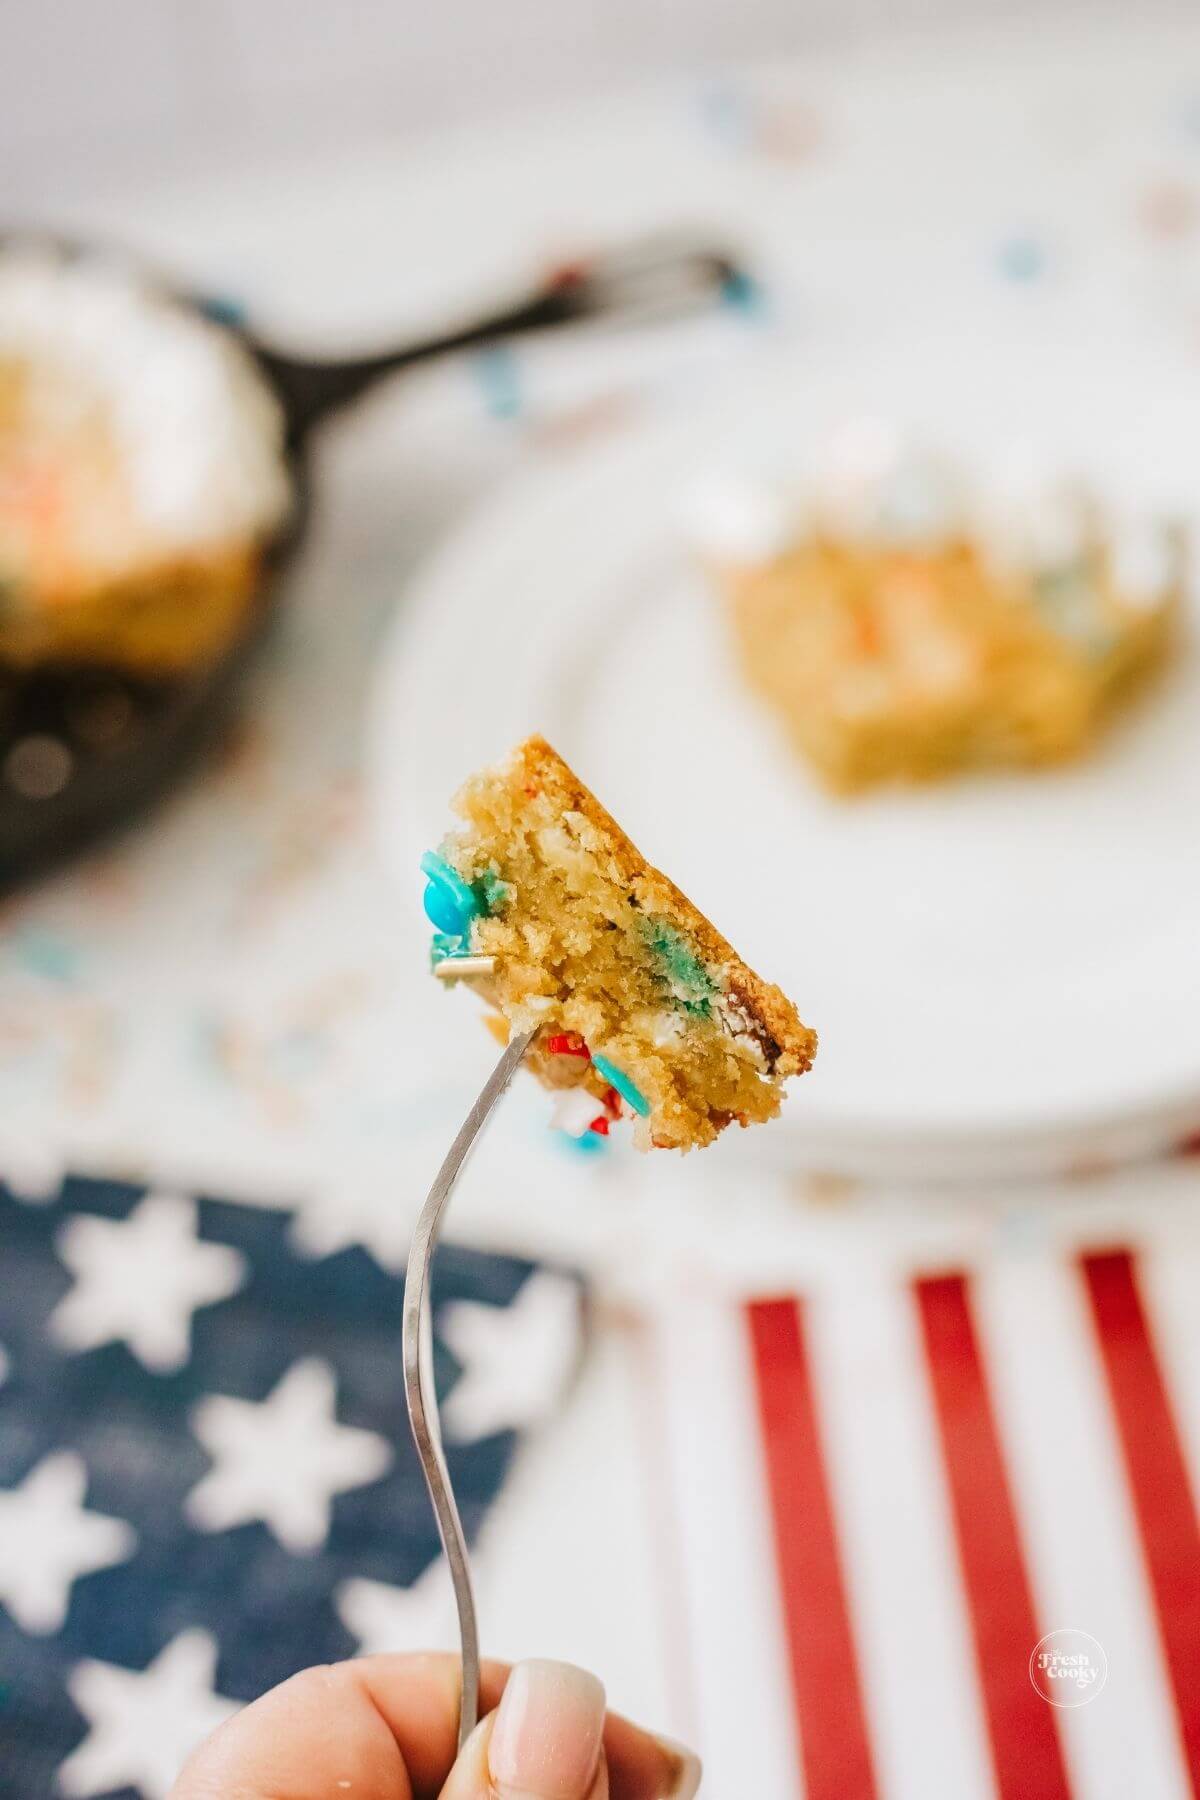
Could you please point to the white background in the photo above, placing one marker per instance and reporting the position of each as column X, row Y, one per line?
column 92, row 90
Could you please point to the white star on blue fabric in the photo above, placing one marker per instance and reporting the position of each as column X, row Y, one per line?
column 143, row 1724
column 138, row 1280
column 30, row 1168
column 281, row 1460
column 384, row 1618
column 48, row 1540
column 358, row 1212
column 516, row 1359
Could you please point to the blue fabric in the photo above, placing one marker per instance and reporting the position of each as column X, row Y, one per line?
column 270, row 1611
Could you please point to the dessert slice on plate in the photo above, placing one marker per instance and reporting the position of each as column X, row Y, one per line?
column 906, row 626
column 544, row 905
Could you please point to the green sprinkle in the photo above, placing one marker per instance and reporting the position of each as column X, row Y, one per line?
column 443, row 945
column 627, row 1088
column 690, row 982
column 492, row 893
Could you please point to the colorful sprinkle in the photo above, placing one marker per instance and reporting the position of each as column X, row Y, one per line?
column 566, row 1043
column 600, row 1125
column 741, row 293
column 574, row 1111
column 500, row 378
column 223, row 309
column 728, row 113
column 627, row 1089
column 450, row 905
column 588, row 1145
column 494, row 893
column 462, row 966
column 1022, row 258
column 690, row 982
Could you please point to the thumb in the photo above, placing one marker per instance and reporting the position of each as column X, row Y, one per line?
column 543, row 1742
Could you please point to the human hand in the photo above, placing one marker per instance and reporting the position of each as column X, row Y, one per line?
column 385, row 1728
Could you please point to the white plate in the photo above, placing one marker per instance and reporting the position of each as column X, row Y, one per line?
column 1004, row 972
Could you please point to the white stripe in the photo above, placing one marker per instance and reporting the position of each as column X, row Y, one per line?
column 1169, row 1275
column 917, row 1660
column 1077, row 1523
column 747, row 1735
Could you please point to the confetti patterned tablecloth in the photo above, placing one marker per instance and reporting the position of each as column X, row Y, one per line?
column 235, row 990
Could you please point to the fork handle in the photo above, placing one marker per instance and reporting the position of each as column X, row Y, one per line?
column 419, row 1387
column 660, row 278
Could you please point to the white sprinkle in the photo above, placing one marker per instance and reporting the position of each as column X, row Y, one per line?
column 455, row 968
column 574, row 1110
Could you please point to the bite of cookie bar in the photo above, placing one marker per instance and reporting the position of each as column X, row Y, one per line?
column 642, row 1008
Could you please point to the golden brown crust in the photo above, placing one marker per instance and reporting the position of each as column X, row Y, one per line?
column 888, row 663
column 789, row 1043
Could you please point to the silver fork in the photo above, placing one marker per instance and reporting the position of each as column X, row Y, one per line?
column 418, row 1375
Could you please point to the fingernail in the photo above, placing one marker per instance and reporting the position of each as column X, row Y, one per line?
column 546, row 1739
column 684, row 1781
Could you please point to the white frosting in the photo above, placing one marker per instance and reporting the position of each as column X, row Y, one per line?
column 1028, row 516
column 198, row 432
column 873, row 484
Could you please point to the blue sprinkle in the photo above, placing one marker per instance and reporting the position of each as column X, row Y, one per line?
column 444, row 945
column 500, row 378
column 449, row 903
column 222, row 309
column 1022, row 259
column 590, row 1144
column 42, row 953
column 741, row 293
column 627, row 1089
column 727, row 112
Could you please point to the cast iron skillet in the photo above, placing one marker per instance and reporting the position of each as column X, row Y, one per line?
column 83, row 748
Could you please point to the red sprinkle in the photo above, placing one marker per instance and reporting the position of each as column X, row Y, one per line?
column 599, row 1126
column 613, row 1102
column 566, row 276
column 567, row 1043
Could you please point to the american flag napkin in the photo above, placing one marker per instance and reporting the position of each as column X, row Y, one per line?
column 206, row 1479
column 932, row 1523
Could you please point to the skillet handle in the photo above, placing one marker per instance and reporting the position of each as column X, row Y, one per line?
column 654, row 279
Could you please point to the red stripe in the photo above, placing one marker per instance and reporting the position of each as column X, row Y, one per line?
column 826, row 1689
column 1024, row 1738
column 1158, row 1478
